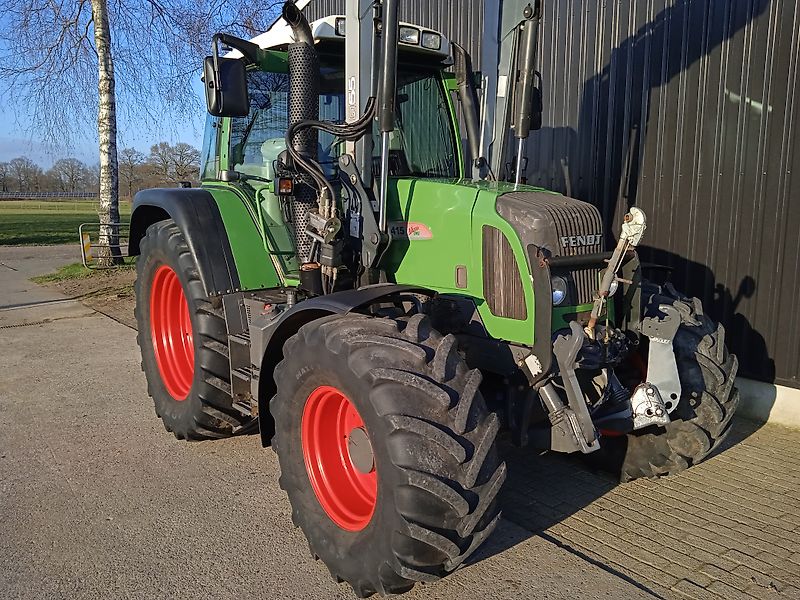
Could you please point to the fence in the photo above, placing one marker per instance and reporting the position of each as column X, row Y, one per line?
column 89, row 234
column 52, row 196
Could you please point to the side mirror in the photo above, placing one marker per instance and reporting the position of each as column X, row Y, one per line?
column 226, row 87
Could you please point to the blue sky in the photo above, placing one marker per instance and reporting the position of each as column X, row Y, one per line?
column 16, row 138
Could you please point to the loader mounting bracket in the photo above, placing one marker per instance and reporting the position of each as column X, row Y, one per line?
column 662, row 370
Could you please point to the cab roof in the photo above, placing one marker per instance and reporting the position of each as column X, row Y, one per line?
column 325, row 30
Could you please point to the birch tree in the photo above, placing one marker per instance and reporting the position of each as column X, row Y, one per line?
column 74, row 61
column 107, row 136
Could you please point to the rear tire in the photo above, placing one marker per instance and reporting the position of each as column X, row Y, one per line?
column 432, row 441
column 183, row 339
column 702, row 419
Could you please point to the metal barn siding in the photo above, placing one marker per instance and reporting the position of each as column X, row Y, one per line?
column 690, row 109
column 459, row 20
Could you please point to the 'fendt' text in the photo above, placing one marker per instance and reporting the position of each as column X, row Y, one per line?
column 573, row 241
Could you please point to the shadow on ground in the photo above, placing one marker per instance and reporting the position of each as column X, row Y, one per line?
column 660, row 536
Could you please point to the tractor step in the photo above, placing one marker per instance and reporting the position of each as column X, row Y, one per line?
column 241, row 372
column 239, row 311
column 240, row 388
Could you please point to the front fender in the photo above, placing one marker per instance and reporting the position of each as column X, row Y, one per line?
column 268, row 335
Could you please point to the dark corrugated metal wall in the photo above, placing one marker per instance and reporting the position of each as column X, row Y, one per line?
column 691, row 109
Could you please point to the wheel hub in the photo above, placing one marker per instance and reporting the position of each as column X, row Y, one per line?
column 339, row 459
column 171, row 332
column 360, row 450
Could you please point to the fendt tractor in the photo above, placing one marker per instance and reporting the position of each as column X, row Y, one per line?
column 380, row 301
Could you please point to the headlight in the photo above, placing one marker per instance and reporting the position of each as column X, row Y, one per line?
column 431, row 41
column 559, row 285
column 409, row 35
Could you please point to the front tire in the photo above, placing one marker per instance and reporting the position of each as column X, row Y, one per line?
column 412, row 491
column 702, row 419
column 183, row 340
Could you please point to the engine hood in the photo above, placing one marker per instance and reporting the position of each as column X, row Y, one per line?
column 562, row 226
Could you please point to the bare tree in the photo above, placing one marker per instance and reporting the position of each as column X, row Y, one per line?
column 161, row 160
column 107, row 135
column 185, row 161
column 51, row 42
column 57, row 52
column 130, row 162
column 26, row 173
column 70, row 174
column 5, row 176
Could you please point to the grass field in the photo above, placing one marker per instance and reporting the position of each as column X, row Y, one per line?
column 35, row 223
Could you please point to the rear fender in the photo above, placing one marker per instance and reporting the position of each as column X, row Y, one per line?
column 196, row 213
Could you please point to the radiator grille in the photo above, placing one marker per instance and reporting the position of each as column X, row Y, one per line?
column 502, row 285
column 584, row 284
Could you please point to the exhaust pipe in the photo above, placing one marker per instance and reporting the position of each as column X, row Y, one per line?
column 299, row 24
column 304, row 77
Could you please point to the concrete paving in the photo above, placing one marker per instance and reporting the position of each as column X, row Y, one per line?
column 97, row 500
column 19, row 296
column 726, row 528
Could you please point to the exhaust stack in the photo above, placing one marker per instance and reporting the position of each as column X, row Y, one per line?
column 304, row 76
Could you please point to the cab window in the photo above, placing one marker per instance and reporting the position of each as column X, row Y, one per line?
column 259, row 138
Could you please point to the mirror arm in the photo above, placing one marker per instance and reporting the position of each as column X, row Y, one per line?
column 250, row 51
column 217, row 76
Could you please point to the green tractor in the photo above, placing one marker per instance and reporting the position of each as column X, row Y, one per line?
column 379, row 307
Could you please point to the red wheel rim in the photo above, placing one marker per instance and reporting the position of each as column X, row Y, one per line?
column 171, row 331
column 346, row 493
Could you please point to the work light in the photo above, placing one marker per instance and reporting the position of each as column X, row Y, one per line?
column 559, row 285
column 409, row 35
column 431, row 40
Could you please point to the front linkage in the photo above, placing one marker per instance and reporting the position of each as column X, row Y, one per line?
column 649, row 396
column 599, row 350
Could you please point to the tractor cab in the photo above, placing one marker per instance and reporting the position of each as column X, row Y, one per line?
column 248, row 153
column 256, row 141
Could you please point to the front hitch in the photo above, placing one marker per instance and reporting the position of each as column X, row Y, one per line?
column 571, row 428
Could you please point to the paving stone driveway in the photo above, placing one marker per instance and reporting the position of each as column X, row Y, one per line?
column 727, row 528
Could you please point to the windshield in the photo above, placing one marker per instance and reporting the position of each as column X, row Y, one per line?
column 422, row 145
